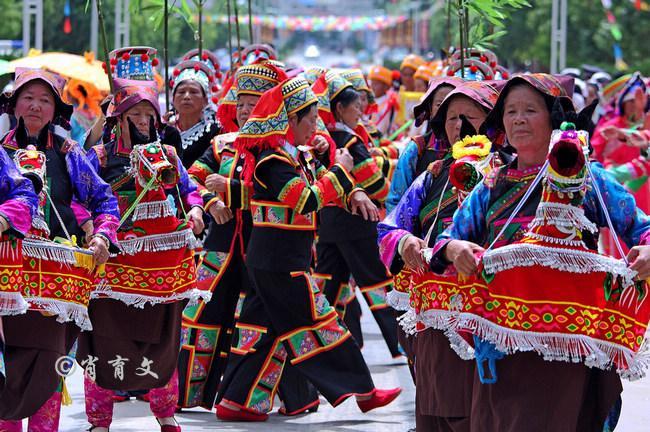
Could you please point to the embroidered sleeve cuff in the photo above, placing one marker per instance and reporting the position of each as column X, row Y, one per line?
column 344, row 178
column 210, row 203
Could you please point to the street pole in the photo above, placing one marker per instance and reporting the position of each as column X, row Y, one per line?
column 558, row 35
column 94, row 42
column 121, row 23
column 32, row 8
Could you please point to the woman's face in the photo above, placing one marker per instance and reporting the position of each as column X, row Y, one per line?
column 379, row 88
column 349, row 115
column 139, row 114
column 421, row 85
column 36, row 105
column 408, row 81
column 245, row 106
column 527, row 122
column 363, row 98
column 189, row 98
column 304, row 128
column 462, row 105
column 438, row 97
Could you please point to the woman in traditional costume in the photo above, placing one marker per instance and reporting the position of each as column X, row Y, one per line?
column 528, row 388
column 285, row 317
column 208, row 327
column 17, row 205
column 136, row 310
column 422, row 149
column 347, row 242
column 443, row 380
column 195, row 117
column 621, row 142
column 35, row 341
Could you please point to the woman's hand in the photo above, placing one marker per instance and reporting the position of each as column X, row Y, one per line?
column 99, row 247
column 412, row 253
column 463, row 255
column 344, row 158
column 88, row 228
column 320, row 144
column 635, row 139
column 639, row 259
column 4, row 224
column 216, row 183
column 195, row 215
column 220, row 213
column 363, row 206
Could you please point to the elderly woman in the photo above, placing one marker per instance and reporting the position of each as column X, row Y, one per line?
column 443, row 380
column 195, row 117
column 529, row 388
column 34, row 341
column 141, row 321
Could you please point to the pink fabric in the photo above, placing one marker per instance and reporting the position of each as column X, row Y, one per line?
column 389, row 244
column 15, row 212
column 11, row 425
column 107, row 225
column 99, row 401
column 80, row 213
column 193, row 199
column 163, row 400
column 46, row 419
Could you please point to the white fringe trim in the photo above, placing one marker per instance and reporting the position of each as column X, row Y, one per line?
column 398, row 300
column 159, row 242
column 559, row 241
column 65, row 312
column 559, row 347
column 568, row 260
column 152, row 210
column 140, row 300
column 562, row 215
column 446, row 321
column 408, row 321
column 12, row 303
column 50, row 251
column 7, row 251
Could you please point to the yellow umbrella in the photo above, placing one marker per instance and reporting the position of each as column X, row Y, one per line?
column 83, row 68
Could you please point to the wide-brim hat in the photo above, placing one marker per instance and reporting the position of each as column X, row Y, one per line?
column 422, row 111
column 128, row 93
column 484, row 93
column 552, row 87
column 25, row 76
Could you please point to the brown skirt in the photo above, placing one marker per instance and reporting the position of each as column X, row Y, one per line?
column 443, row 380
column 535, row 395
column 136, row 336
column 33, row 344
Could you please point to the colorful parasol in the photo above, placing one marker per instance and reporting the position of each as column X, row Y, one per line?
column 84, row 68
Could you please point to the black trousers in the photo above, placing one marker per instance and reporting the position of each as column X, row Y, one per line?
column 338, row 261
column 286, row 320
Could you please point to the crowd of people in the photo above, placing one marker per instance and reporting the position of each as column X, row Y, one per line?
column 216, row 255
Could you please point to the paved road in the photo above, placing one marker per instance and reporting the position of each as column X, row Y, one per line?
column 135, row 416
